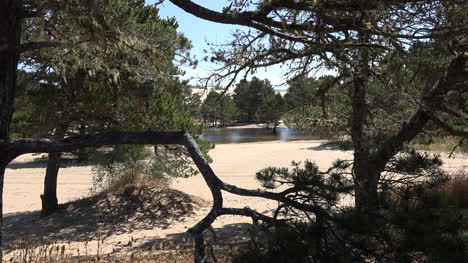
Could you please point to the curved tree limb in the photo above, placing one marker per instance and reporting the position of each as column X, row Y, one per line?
column 455, row 74
column 28, row 46
column 11, row 149
column 40, row 145
column 33, row 45
column 447, row 127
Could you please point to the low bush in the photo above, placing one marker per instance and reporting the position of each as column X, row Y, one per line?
column 457, row 188
column 421, row 219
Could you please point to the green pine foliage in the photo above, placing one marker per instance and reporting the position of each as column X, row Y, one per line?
column 415, row 222
column 249, row 95
column 115, row 69
column 317, row 105
column 271, row 110
column 217, row 109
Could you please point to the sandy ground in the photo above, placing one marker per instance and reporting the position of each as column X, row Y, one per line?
column 204, row 92
column 233, row 163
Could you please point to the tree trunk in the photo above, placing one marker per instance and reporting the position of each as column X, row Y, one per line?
column 365, row 185
column 323, row 105
column 10, row 30
column 2, row 176
column 49, row 198
column 366, row 178
column 10, row 33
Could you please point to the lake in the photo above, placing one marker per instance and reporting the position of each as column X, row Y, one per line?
column 254, row 134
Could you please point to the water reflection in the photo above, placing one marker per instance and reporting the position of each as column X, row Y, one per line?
column 240, row 135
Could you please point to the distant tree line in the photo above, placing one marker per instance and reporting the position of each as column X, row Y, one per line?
column 252, row 101
column 255, row 100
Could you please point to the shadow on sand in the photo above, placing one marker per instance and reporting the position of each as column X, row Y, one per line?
column 42, row 163
column 225, row 237
column 136, row 208
column 332, row 146
column 28, row 228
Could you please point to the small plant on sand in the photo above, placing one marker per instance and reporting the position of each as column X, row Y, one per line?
column 132, row 164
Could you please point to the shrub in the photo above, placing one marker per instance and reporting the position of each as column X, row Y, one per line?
column 420, row 219
column 457, row 188
column 159, row 163
column 118, row 184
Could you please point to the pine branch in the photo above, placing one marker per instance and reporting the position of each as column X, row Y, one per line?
column 454, row 75
column 447, row 127
column 41, row 145
column 29, row 46
column 31, row 13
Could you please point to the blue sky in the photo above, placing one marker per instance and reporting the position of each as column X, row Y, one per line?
column 200, row 31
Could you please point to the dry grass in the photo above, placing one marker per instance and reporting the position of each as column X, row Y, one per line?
column 457, row 188
column 119, row 184
column 440, row 144
column 57, row 253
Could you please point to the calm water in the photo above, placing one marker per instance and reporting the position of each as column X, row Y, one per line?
column 240, row 135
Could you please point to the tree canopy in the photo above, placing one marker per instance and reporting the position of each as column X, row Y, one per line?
column 119, row 82
column 271, row 111
column 354, row 38
column 218, row 107
column 249, row 95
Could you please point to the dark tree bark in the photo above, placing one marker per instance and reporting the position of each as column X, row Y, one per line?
column 2, row 176
column 10, row 33
column 365, row 179
column 455, row 77
column 275, row 128
column 49, row 197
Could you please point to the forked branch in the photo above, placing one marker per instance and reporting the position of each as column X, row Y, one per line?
column 14, row 148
